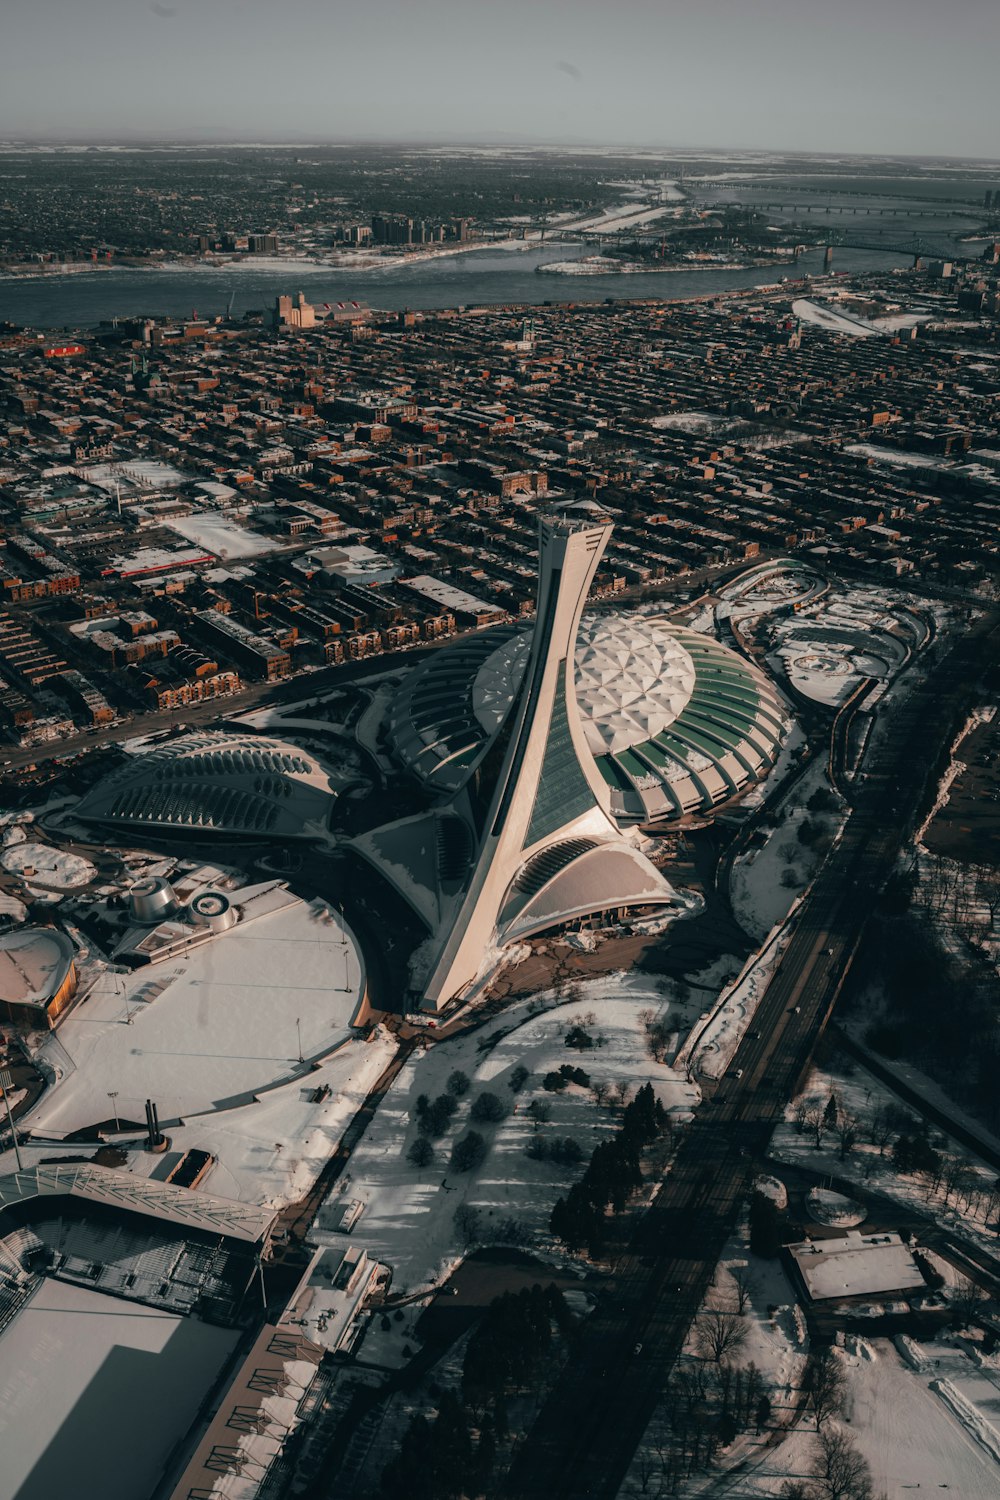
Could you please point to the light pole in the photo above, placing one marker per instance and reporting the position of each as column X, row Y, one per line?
column 298, row 1032
column 6, row 1082
column 113, row 1096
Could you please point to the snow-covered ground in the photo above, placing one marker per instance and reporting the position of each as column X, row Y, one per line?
column 48, row 866
column 619, row 216
column 409, row 1215
column 775, row 1343
column 836, row 641
column 95, row 1392
column 835, row 322
column 689, row 421
column 910, row 1436
column 208, row 1027
column 766, row 881
column 221, row 535
column 897, row 456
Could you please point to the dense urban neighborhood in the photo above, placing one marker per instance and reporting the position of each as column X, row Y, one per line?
column 500, row 848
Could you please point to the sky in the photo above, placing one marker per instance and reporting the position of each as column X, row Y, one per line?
column 866, row 76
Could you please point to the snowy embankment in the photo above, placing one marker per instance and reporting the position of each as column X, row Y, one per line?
column 409, row 1214
column 711, row 1047
column 971, row 1418
column 955, row 767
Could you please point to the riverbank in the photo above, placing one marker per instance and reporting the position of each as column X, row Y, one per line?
column 347, row 260
column 480, row 276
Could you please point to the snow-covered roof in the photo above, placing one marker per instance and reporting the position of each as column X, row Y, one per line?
column 856, row 1265
column 159, row 1200
column 33, row 964
column 632, row 680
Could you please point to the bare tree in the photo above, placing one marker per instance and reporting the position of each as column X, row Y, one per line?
column 967, row 1299
column 742, row 1283
column 720, row 1335
column 815, row 1122
column 846, row 1131
column 826, row 1385
column 881, row 1128
column 842, row 1471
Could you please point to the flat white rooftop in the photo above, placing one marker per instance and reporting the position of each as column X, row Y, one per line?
column 856, row 1265
column 446, row 595
column 208, row 1028
column 94, row 1393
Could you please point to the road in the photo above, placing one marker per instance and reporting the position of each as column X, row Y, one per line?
column 217, row 711
column 302, row 687
column 588, row 1429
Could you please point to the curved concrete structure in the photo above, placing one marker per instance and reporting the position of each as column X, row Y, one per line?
column 242, row 785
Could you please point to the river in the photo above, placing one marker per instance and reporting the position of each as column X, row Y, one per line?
column 490, row 276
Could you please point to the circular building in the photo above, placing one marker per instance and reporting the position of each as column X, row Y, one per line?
column 38, row 976
column 241, row 785
column 676, row 722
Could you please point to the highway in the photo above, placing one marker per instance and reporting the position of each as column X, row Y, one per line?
column 590, row 1425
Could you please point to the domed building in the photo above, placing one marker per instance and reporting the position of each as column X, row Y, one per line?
column 676, row 722
column 240, row 785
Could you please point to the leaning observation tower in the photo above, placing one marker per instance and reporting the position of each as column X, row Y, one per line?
column 545, row 848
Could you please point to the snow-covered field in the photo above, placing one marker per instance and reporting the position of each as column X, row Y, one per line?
column 896, row 456
column 211, row 1026
column 910, row 1436
column 409, row 1215
column 689, row 421
column 47, row 866
column 221, row 535
column 95, row 1392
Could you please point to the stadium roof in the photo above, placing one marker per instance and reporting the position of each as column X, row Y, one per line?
column 676, row 721
column 141, row 1195
column 214, row 782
